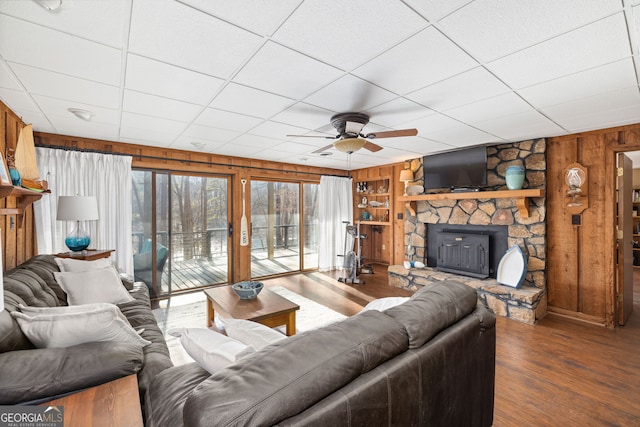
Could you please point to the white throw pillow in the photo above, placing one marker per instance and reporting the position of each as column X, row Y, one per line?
column 381, row 304
column 56, row 327
column 85, row 287
column 77, row 265
column 251, row 333
column 213, row 351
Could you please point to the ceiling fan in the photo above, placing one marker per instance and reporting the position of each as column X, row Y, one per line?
column 350, row 137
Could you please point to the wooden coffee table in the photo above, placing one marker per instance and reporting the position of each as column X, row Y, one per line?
column 269, row 308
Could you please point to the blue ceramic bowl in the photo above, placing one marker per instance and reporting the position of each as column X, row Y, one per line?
column 248, row 290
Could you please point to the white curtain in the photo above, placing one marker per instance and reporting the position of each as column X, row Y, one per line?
column 105, row 176
column 335, row 207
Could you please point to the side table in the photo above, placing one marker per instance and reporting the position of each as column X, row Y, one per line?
column 87, row 254
column 116, row 403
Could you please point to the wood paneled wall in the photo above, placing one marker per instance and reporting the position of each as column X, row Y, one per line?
column 581, row 258
column 18, row 243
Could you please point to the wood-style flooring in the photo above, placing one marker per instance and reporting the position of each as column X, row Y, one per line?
column 559, row 372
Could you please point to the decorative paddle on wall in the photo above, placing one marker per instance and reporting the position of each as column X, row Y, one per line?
column 244, row 227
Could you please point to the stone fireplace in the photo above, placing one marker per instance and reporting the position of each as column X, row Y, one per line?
column 499, row 218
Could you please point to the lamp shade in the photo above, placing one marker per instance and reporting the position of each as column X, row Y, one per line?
column 77, row 208
column 349, row 145
column 406, row 175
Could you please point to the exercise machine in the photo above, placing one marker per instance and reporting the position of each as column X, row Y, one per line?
column 353, row 260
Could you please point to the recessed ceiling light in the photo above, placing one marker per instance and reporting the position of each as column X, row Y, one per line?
column 81, row 114
column 303, row 159
column 198, row 145
column 50, row 5
column 325, row 154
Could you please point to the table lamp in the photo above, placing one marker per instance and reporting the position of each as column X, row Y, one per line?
column 406, row 176
column 77, row 208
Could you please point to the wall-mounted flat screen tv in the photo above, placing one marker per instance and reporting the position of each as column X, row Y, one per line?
column 466, row 168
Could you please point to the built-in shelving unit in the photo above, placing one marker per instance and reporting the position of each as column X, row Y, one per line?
column 521, row 196
column 24, row 198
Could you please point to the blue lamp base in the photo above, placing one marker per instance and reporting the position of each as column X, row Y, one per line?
column 78, row 240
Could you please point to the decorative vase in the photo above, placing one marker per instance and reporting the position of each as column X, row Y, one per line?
column 14, row 174
column 514, row 177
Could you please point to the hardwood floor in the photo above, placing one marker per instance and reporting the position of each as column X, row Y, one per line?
column 559, row 372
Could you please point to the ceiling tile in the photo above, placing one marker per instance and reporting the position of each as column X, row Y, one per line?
column 193, row 39
column 196, row 144
column 435, row 9
column 465, row 88
column 226, row 120
column 96, row 20
column 264, row 19
column 210, row 134
column 59, row 52
column 69, row 126
column 400, row 111
column 58, row 107
column 358, row 29
column 276, row 130
column 157, row 78
column 7, row 79
column 19, row 101
column 523, row 125
column 498, row 106
column 150, row 105
column 304, row 115
column 606, row 78
column 289, row 148
column 349, row 93
column 56, row 85
column 238, row 150
column 590, row 46
column 245, row 100
column 448, row 131
column 256, row 141
column 39, row 122
column 280, row 70
column 413, row 145
column 148, row 128
column 490, row 29
column 597, row 112
column 433, row 58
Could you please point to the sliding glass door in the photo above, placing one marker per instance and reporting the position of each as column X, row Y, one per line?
column 280, row 242
column 180, row 237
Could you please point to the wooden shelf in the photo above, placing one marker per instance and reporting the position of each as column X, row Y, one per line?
column 24, row 198
column 373, row 222
column 521, row 196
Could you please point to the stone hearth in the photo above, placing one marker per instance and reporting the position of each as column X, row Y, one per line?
column 526, row 304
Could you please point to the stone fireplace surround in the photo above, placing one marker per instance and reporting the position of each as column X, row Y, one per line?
column 526, row 304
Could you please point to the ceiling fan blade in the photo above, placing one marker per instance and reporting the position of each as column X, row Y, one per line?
column 353, row 127
column 311, row 136
column 371, row 146
column 320, row 150
column 393, row 133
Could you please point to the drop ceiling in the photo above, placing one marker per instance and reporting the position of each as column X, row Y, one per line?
column 235, row 78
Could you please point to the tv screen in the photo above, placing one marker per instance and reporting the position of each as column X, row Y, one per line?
column 465, row 168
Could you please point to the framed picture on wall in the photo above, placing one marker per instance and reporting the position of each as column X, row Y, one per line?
column 4, row 171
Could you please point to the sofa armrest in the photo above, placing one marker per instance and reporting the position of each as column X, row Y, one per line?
column 28, row 375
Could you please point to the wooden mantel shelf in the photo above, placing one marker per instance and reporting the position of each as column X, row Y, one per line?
column 24, row 198
column 521, row 196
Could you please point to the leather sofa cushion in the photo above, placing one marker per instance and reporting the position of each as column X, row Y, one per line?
column 302, row 370
column 434, row 308
column 167, row 393
column 29, row 375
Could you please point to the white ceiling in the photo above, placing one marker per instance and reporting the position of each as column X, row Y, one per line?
column 236, row 77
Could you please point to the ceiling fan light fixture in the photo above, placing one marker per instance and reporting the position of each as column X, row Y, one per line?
column 349, row 145
column 85, row 115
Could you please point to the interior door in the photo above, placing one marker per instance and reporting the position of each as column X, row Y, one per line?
column 624, row 285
